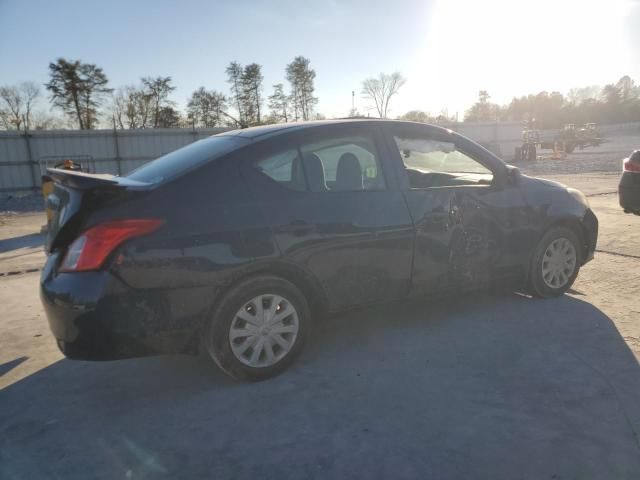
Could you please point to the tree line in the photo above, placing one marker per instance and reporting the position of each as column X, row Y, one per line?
column 617, row 102
column 81, row 92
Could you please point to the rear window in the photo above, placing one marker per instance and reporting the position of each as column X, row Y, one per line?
column 185, row 159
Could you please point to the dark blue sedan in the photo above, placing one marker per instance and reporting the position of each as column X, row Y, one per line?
column 232, row 245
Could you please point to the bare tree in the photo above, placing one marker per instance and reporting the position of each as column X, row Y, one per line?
column 5, row 120
column 279, row 104
column 234, row 78
column 206, row 108
column 119, row 107
column 31, row 93
column 11, row 112
column 16, row 105
column 380, row 90
column 139, row 108
column 158, row 89
column 41, row 120
column 132, row 107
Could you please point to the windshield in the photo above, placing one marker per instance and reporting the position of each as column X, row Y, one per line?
column 185, row 158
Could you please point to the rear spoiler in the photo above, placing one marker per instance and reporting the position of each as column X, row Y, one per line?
column 88, row 181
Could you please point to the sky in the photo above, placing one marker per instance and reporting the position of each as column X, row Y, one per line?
column 447, row 49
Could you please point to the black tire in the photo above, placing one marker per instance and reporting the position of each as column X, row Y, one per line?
column 215, row 340
column 537, row 285
column 532, row 155
column 570, row 147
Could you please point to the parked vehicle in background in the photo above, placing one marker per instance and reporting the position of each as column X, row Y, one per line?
column 629, row 187
column 565, row 141
column 586, row 136
column 528, row 152
column 234, row 244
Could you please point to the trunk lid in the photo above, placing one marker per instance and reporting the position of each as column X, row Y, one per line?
column 75, row 194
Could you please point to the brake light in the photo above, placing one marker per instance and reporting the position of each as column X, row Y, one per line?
column 631, row 165
column 91, row 249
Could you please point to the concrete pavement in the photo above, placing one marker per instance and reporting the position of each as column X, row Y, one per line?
column 494, row 387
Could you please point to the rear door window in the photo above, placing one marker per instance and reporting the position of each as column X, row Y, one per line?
column 349, row 163
column 284, row 168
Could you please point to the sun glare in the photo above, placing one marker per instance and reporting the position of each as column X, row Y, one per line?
column 514, row 48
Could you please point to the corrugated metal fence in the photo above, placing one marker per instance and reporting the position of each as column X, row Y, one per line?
column 25, row 156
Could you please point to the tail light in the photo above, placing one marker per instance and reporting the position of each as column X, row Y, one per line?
column 632, row 164
column 92, row 247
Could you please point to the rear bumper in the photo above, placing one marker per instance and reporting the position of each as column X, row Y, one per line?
column 95, row 316
column 629, row 192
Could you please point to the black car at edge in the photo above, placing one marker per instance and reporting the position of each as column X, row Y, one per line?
column 230, row 246
column 629, row 187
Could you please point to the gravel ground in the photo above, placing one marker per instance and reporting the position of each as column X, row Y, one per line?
column 605, row 158
column 21, row 204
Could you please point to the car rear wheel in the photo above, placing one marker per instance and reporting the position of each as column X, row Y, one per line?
column 555, row 263
column 258, row 328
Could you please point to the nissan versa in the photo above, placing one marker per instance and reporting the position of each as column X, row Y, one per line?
column 232, row 245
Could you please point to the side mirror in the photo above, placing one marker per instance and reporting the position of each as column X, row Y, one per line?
column 513, row 174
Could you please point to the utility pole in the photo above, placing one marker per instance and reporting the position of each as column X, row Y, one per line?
column 353, row 100
column 118, row 159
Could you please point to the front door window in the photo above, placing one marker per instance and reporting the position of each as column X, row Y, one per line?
column 431, row 163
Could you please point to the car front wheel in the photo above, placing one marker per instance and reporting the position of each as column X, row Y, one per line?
column 555, row 263
column 258, row 328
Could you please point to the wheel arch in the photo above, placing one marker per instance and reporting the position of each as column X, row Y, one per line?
column 309, row 285
column 570, row 223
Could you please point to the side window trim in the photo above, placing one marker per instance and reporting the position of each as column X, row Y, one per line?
column 388, row 158
column 395, row 160
column 304, row 168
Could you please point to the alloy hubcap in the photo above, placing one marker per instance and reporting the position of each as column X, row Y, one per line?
column 558, row 263
column 264, row 330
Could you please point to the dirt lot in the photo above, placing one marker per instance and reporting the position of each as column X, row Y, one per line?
column 489, row 386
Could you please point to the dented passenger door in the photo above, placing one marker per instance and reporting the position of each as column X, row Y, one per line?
column 468, row 219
